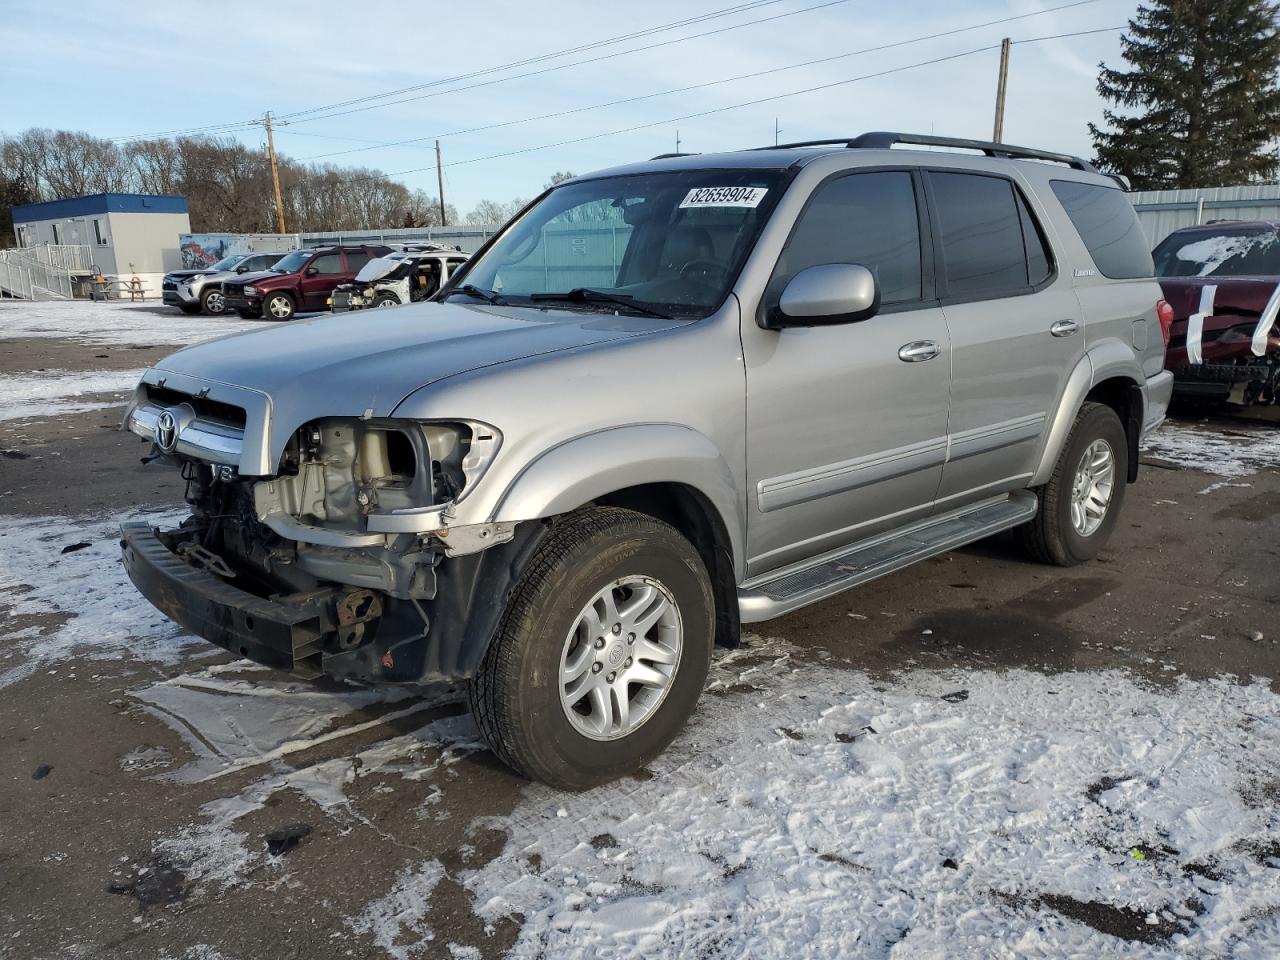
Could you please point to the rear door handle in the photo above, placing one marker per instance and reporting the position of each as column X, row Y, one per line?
column 917, row 351
column 1064, row 328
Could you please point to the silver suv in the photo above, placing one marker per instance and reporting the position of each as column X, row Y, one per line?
column 665, row 400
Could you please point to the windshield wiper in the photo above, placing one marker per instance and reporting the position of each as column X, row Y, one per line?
column 587, row 295
column 471, row 290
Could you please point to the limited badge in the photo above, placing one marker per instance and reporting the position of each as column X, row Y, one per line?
column 724, row 197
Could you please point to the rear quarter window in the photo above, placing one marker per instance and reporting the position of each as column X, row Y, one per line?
column 1109, row 227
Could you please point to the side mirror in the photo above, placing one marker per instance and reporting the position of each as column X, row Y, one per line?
column 827, row 294
column 312, row 271
column 242, row 269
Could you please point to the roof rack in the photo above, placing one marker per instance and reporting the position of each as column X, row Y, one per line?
column 672, row 156
column 883, row 140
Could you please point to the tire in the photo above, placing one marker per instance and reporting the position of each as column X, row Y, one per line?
column 386, row 300
column 517, row 696
column 213, row 302
column 1056, row 535
column 249, row 314
column 278, row 306
column 190, row 309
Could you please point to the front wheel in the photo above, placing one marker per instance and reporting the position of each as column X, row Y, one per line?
column 1081, row 502
column 387, row 300
column 278, row 306
column 602, row 652
column 213, row 302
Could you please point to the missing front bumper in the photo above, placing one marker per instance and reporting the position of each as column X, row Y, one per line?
column 282, row 635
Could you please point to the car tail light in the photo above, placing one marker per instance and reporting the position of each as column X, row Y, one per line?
column 1164, row 312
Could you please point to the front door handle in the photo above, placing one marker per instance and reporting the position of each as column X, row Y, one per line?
column 1064, row 328
column 917, row 351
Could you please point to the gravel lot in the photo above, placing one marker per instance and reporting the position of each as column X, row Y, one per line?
column 978, row 757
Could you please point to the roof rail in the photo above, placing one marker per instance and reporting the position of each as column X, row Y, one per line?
column 883, row 140
column 672, row 156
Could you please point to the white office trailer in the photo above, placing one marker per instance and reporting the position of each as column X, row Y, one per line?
column 122, row 236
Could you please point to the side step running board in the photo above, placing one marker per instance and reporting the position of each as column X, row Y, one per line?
column 832, row 574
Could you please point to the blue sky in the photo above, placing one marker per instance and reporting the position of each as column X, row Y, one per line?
column 123, row 69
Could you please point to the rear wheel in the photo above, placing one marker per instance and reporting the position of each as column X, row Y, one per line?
column 278, row 306
column 213, row 302
column 602, row 652
column 1081, row 502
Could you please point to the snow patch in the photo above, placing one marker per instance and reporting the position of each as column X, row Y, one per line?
column 122, row 324
column 106, row 617
column 1233, row 454
column 49, row 393
column 1213, row 252
column 865, row 820
column 397, row 922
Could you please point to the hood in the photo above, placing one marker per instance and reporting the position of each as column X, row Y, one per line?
column 378, row 268
column 243, row 278
column 344, row 364
column 184, row 274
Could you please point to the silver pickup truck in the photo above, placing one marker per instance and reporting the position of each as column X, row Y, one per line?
column 665, row 400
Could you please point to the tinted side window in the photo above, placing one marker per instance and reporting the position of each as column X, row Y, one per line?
column 983, row 254
column 329, row 263
column 865, row 218
column 1039, row 256
column 357, row 259
column 1109, row 227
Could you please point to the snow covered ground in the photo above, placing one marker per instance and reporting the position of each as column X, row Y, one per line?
column 1230, row 453
column 810, row 810
column 59, row 392
column 113, row 322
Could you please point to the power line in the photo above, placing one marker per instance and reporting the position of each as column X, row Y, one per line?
column 697, row 86
column 575, row 63
column 714, row 14
column 663, row 28
column 736, row 106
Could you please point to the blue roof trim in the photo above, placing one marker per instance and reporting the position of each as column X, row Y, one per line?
column 98, row 203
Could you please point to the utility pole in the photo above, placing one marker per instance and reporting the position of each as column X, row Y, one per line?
column 275, row 171
column 1000, row 89
column 776, row 130
column 440, row 183
column 677, row 141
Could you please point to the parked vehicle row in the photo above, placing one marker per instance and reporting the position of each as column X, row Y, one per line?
column 192, row 291
column 668, row 399
column 301, row 280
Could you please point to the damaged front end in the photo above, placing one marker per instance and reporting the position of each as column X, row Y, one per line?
column 343, row 561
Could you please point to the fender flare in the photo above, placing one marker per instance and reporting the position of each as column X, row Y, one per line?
column 593, row 465
column 1104, row 361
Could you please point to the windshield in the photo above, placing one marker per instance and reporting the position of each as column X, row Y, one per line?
column 227, row 263
column 293, row 262
column 673, row 241
column 1231, row 253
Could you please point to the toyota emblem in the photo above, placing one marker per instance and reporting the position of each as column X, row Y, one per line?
column 166, row 431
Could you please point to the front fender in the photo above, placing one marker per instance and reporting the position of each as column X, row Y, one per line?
column 588, row 467
column 1104, row 361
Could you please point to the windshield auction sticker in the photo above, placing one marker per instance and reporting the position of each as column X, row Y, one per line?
column 724, row 197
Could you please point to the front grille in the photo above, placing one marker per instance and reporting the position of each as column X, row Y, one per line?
column 205, row 408
column 168, row 285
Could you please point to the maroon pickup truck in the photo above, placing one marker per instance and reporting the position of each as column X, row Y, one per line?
column 301, row 281
column 1223, row 283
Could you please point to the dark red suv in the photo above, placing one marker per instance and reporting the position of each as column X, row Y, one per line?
column 300, row 281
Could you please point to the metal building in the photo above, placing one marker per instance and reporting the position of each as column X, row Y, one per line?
column 120, row 235
column 1164, row 211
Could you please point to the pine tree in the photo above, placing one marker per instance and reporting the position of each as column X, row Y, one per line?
column 1202, row 104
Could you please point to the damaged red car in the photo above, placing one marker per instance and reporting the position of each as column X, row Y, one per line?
column 1222, row 281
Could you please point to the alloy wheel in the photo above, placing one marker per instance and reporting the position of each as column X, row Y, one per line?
column 1092, row 488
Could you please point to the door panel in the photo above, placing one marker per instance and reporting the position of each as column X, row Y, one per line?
column 316, row 289
column 844, row 438
column 1016, row 333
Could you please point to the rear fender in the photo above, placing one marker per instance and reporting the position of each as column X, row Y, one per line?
column 1104, row 361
